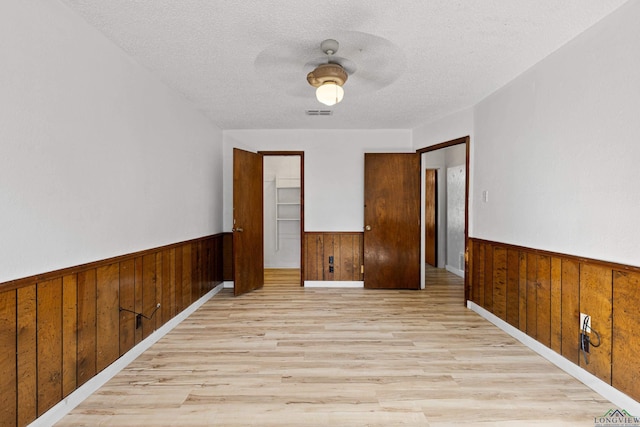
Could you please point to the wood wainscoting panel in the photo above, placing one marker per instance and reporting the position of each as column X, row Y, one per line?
column 532, row 297
column 488, row 277
column 196, row 271
column 187, row 276
column 49, row 343
column 86, row 325
column 156, row 318
column 556, row 304
column 348, row 264
column 138, row 307
column 59, row 329
column 513, row 287
column 477, row 291
column 168, row 308
column 500, row 282
column 313, row 256
column 596, row 301
column 107, row 315
column 8, row 362
column 69, row 334
column 547, row 291
column 127, row 293
column 27, row 357
column 346, row 248
column 522, row 288
column 148, row 294
column 179, row 279
column 626, row 324
column 543, row 300
column 227, row 256
column 570, row 310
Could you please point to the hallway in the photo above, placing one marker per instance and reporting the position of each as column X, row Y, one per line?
column 290, row 356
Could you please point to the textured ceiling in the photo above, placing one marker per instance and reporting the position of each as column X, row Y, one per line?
column 244, row 63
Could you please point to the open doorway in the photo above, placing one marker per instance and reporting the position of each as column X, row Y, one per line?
column 445, row 174
column 283, row 218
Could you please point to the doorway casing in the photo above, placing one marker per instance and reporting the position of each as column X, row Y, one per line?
column 301, row 155
column 467, row 141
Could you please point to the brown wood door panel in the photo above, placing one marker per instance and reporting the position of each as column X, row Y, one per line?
column 431, row 217
column 248, row 235
column 392, row 221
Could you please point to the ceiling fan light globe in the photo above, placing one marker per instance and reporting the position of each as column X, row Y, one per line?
column 329, row 93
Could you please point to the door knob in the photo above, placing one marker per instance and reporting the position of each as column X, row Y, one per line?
column 368, row 228
column 239, row 230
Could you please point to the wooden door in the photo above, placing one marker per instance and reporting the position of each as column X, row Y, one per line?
column 248, row 226
column 392, row 220
column 431, row 217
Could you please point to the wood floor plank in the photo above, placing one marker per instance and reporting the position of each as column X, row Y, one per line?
column 295, row 356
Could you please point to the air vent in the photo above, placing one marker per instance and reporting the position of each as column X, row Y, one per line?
column 319, row 112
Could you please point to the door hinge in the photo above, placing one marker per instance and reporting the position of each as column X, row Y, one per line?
column 362, row 269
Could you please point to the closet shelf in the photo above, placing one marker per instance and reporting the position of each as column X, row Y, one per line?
column 287, row 199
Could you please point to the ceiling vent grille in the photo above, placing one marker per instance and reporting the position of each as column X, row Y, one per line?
column 319, row 112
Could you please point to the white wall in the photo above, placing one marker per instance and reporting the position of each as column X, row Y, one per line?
column 558, row 148
column 452, row 126
column 333, row 169
column 97, row 157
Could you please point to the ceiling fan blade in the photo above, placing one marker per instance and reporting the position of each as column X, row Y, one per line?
column 371, row 62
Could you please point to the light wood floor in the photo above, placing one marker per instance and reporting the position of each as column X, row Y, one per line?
column 280, row 277
column 340, row 357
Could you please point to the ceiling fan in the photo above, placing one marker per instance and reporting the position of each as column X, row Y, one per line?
column 368, row 62
column 329, row 78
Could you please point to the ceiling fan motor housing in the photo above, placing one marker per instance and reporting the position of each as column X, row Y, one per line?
column 327, row 73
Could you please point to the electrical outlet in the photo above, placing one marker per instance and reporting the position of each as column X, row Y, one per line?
column 582, row 318
column 331, row 269
column 331, row 259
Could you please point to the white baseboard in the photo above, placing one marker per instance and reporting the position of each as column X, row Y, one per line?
column 228, row 285
column 455, row 271
column 618, row 398
column 332, row 284
column 65, row 406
